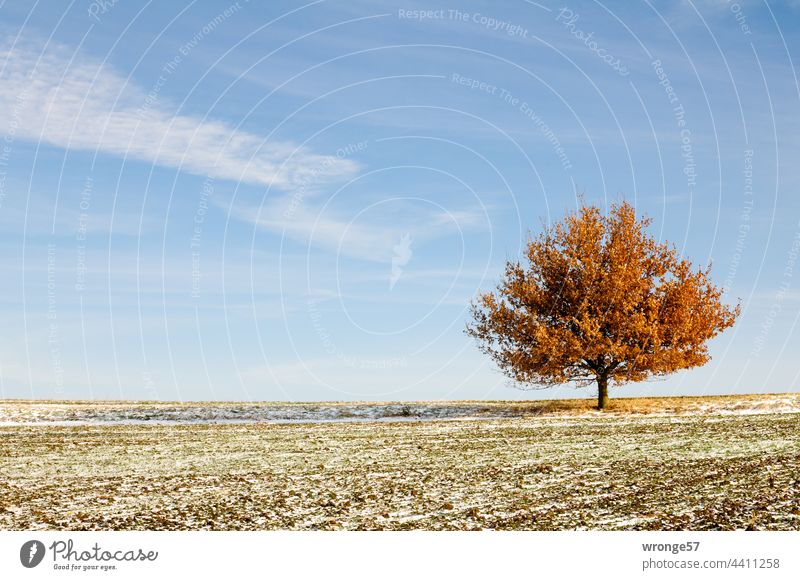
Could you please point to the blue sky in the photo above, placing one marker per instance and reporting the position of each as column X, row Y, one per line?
column 288, row 201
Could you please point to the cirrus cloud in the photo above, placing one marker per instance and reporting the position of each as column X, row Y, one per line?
column 55, row 95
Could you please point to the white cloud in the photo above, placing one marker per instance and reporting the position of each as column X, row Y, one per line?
column 334, row 230
column 52, row 95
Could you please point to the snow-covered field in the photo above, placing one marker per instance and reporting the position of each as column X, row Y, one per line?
column 674, row 464
column 133, row 412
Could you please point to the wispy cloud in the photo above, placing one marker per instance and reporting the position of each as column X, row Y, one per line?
column 336, row 231
column 52, row 94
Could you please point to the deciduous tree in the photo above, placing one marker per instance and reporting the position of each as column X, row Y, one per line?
column 598, row 300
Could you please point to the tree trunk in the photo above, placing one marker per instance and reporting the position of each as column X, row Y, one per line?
column 602, row 392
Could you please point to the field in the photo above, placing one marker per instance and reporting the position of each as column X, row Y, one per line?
column 671, row 464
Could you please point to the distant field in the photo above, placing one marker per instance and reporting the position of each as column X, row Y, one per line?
column 168, row 412
column 694, row 463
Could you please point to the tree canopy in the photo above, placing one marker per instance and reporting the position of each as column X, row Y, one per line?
column 598, row 300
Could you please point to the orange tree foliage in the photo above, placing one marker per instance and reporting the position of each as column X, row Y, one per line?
column 599, row 301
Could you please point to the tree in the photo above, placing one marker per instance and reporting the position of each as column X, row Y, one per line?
column 599, row 301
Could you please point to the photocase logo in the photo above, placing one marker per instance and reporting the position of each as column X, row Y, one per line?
column 31, row 553
column 402, row 254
